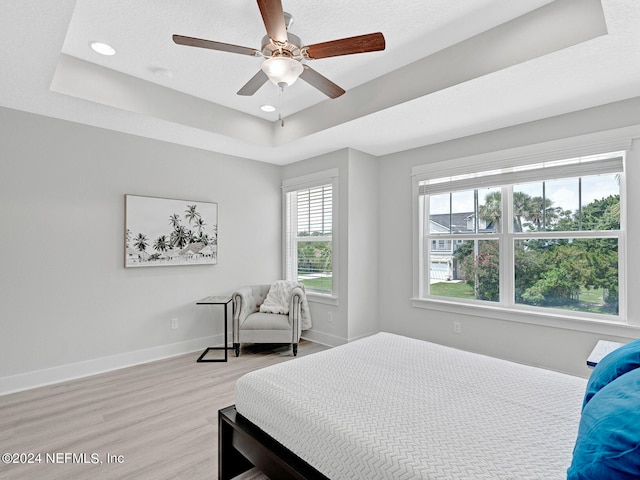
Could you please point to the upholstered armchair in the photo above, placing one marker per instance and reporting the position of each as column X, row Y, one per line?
column 250, row 325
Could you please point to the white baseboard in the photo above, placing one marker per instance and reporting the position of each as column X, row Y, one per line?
column 353, row 339
column 63, row 373
column 331, row 340
column 323, row 338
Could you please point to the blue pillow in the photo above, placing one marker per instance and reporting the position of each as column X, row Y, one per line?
column 618, row 362
column 608, row 443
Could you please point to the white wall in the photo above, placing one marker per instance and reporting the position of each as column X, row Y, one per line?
column 68, row 307
column 555, row 348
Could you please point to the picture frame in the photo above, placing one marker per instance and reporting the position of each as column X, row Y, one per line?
column 163, row 232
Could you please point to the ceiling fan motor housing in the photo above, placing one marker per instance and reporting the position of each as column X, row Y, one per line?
column 290, row 49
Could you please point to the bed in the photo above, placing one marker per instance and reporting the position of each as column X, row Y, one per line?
column 388, row 406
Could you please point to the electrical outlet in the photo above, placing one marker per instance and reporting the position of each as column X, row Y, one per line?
column 174, row 324
column 329, row 317
column 457, row 328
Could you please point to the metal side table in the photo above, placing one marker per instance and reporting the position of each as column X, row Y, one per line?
column 217, row 300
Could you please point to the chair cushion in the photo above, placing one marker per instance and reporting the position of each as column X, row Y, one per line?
column 266, row 321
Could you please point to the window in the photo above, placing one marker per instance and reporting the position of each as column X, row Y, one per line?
column 309, row 227
column 537, row 237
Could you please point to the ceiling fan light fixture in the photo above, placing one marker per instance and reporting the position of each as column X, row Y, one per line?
column 282, row 70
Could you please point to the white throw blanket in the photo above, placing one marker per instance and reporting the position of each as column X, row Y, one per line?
column 278, row 300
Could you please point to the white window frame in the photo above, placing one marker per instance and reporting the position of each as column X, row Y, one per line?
column 289, row 244
column 505, row 310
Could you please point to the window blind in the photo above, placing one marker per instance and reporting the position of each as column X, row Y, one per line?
column 314, row 207
column 578, row 167
column 309, row 245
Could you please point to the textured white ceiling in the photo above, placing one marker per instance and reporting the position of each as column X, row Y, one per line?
column 141, row 33
column 35, row 34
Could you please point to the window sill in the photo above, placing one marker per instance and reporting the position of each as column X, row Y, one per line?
column 546, row 319
column 324, row 298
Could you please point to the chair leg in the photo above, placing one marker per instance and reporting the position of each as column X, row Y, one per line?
column 236, row 347
column 295, row 349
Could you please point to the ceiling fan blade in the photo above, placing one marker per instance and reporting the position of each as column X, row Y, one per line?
column 321, row 82
column 371, row 42
column 273, row 18
column 211, row 45
column 254, row 84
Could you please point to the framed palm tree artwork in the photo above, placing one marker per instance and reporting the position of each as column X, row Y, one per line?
column 163, row 232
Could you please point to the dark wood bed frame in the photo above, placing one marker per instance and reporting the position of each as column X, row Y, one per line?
column 242, row 445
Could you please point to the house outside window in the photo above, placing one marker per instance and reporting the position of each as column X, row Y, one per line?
column 309, row 233
column 538, row 237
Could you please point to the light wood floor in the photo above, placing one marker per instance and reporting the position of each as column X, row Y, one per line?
column 157, row 421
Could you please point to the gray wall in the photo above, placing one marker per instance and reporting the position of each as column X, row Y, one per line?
column 330, row 329
column 363, row 245
column 562, row 349
column 355, row 247
column 68, row 307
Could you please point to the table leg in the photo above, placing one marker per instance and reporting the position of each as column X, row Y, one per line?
column 224, row 347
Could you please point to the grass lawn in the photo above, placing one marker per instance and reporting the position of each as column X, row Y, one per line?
column 452, row 289
column 322, row 284
column 592, row 296
column 590, row 300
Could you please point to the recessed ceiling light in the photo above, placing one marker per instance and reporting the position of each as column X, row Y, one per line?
column 103, row 48
column 268, row 108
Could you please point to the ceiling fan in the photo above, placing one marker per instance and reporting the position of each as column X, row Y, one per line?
column 284, row 53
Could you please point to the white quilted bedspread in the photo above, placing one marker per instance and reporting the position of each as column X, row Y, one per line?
column 390, row 407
